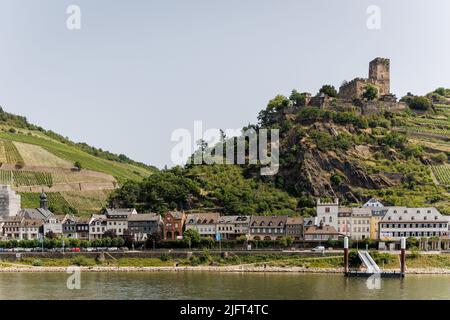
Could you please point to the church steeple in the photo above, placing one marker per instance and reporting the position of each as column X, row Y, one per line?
column 43, row 201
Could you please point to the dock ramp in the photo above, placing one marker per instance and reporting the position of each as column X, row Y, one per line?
column 368, row 261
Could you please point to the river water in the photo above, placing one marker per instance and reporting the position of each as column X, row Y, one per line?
column 208, row 285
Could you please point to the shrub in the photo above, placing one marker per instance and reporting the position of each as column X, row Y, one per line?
column 82, row 261
column 370, row 92
column 329, row 90
column 36, row 263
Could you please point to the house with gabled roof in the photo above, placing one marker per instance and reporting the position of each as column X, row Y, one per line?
column 204, row 223
column 267, row 227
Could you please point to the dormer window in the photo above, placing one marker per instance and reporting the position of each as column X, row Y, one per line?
column 389, row 218
column 270, row 223
column 395, row 211
column 428, row 211
column 436, row 217
column 405, row 211
column 412, row 218
column 399, row 218
column 425, row 218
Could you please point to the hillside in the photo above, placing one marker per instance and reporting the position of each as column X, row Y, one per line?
column 399, row 157
column 78, row 178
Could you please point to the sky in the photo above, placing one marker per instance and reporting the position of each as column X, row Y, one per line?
column 138, row 70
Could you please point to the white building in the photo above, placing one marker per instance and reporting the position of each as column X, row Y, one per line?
column 117, row 220
column 9, row 202
column 204, row 223
column 97, row 226
column 54, row 225
column 327, row 212
column 361, row 222
column 373, row 203
column 412, row 222
column 231, row 227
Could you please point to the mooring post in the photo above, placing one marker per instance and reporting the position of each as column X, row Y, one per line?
column 403, row 256
column 346, row 255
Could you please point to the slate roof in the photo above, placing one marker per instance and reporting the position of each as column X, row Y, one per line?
column 37, row 213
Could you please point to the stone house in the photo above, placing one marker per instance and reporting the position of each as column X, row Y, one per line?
column 144, row 225
column 267, row 227
column 173, row 225
column 321, row 233
column 327, row 212
column 294, row 228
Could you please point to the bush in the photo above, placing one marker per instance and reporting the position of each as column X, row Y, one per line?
column 36, row 263
column 329, row 90
column 82, row 261
column 164, row 257
column 418, row 103
column 370, row 92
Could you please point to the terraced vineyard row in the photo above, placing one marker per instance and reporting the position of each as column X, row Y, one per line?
column 11, row 152
column 25, row 178
column 442, row 173
column 443, row 132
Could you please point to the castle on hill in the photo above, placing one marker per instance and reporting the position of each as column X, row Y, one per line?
column 350, row 96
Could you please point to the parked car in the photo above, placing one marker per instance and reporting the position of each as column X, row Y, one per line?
column 318, row 249
column 113, row 249
column 75, row 250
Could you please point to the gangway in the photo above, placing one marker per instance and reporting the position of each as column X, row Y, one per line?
column 368, row 261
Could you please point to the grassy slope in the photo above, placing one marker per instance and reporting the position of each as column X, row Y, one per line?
column 121, row 171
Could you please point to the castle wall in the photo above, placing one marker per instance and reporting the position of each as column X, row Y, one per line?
column 353, row 90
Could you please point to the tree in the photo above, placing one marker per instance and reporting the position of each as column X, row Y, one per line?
column 297, row 98
column 419, row 103
column 370, row 92
column 329, row 90
column 192, row 235
column 78, row 165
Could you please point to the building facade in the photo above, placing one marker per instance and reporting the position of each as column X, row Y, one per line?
column 412, row 222
column 294, row 228
column 267, row 227
column 142, row 226
column 232, row 227
column 204, row 223
column 173, row 225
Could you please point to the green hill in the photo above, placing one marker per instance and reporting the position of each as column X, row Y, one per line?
column 400, row 157
column 77, row 177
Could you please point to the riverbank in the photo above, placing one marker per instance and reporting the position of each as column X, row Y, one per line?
column 231, row 269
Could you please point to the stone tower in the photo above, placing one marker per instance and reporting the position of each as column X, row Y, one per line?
column 43, row 201
column 9, row 202
column 379, row 74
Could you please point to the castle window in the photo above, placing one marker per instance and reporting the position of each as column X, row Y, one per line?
column 327, row 210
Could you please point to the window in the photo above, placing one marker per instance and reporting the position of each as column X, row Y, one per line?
column 327, row 210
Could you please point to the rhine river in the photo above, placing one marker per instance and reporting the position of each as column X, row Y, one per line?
column 209, row 285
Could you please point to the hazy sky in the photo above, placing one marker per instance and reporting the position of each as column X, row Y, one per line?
column 137, row 70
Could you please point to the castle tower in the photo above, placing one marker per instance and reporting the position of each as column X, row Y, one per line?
column 43, row 201
column 9, row 202
column 379, row 74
